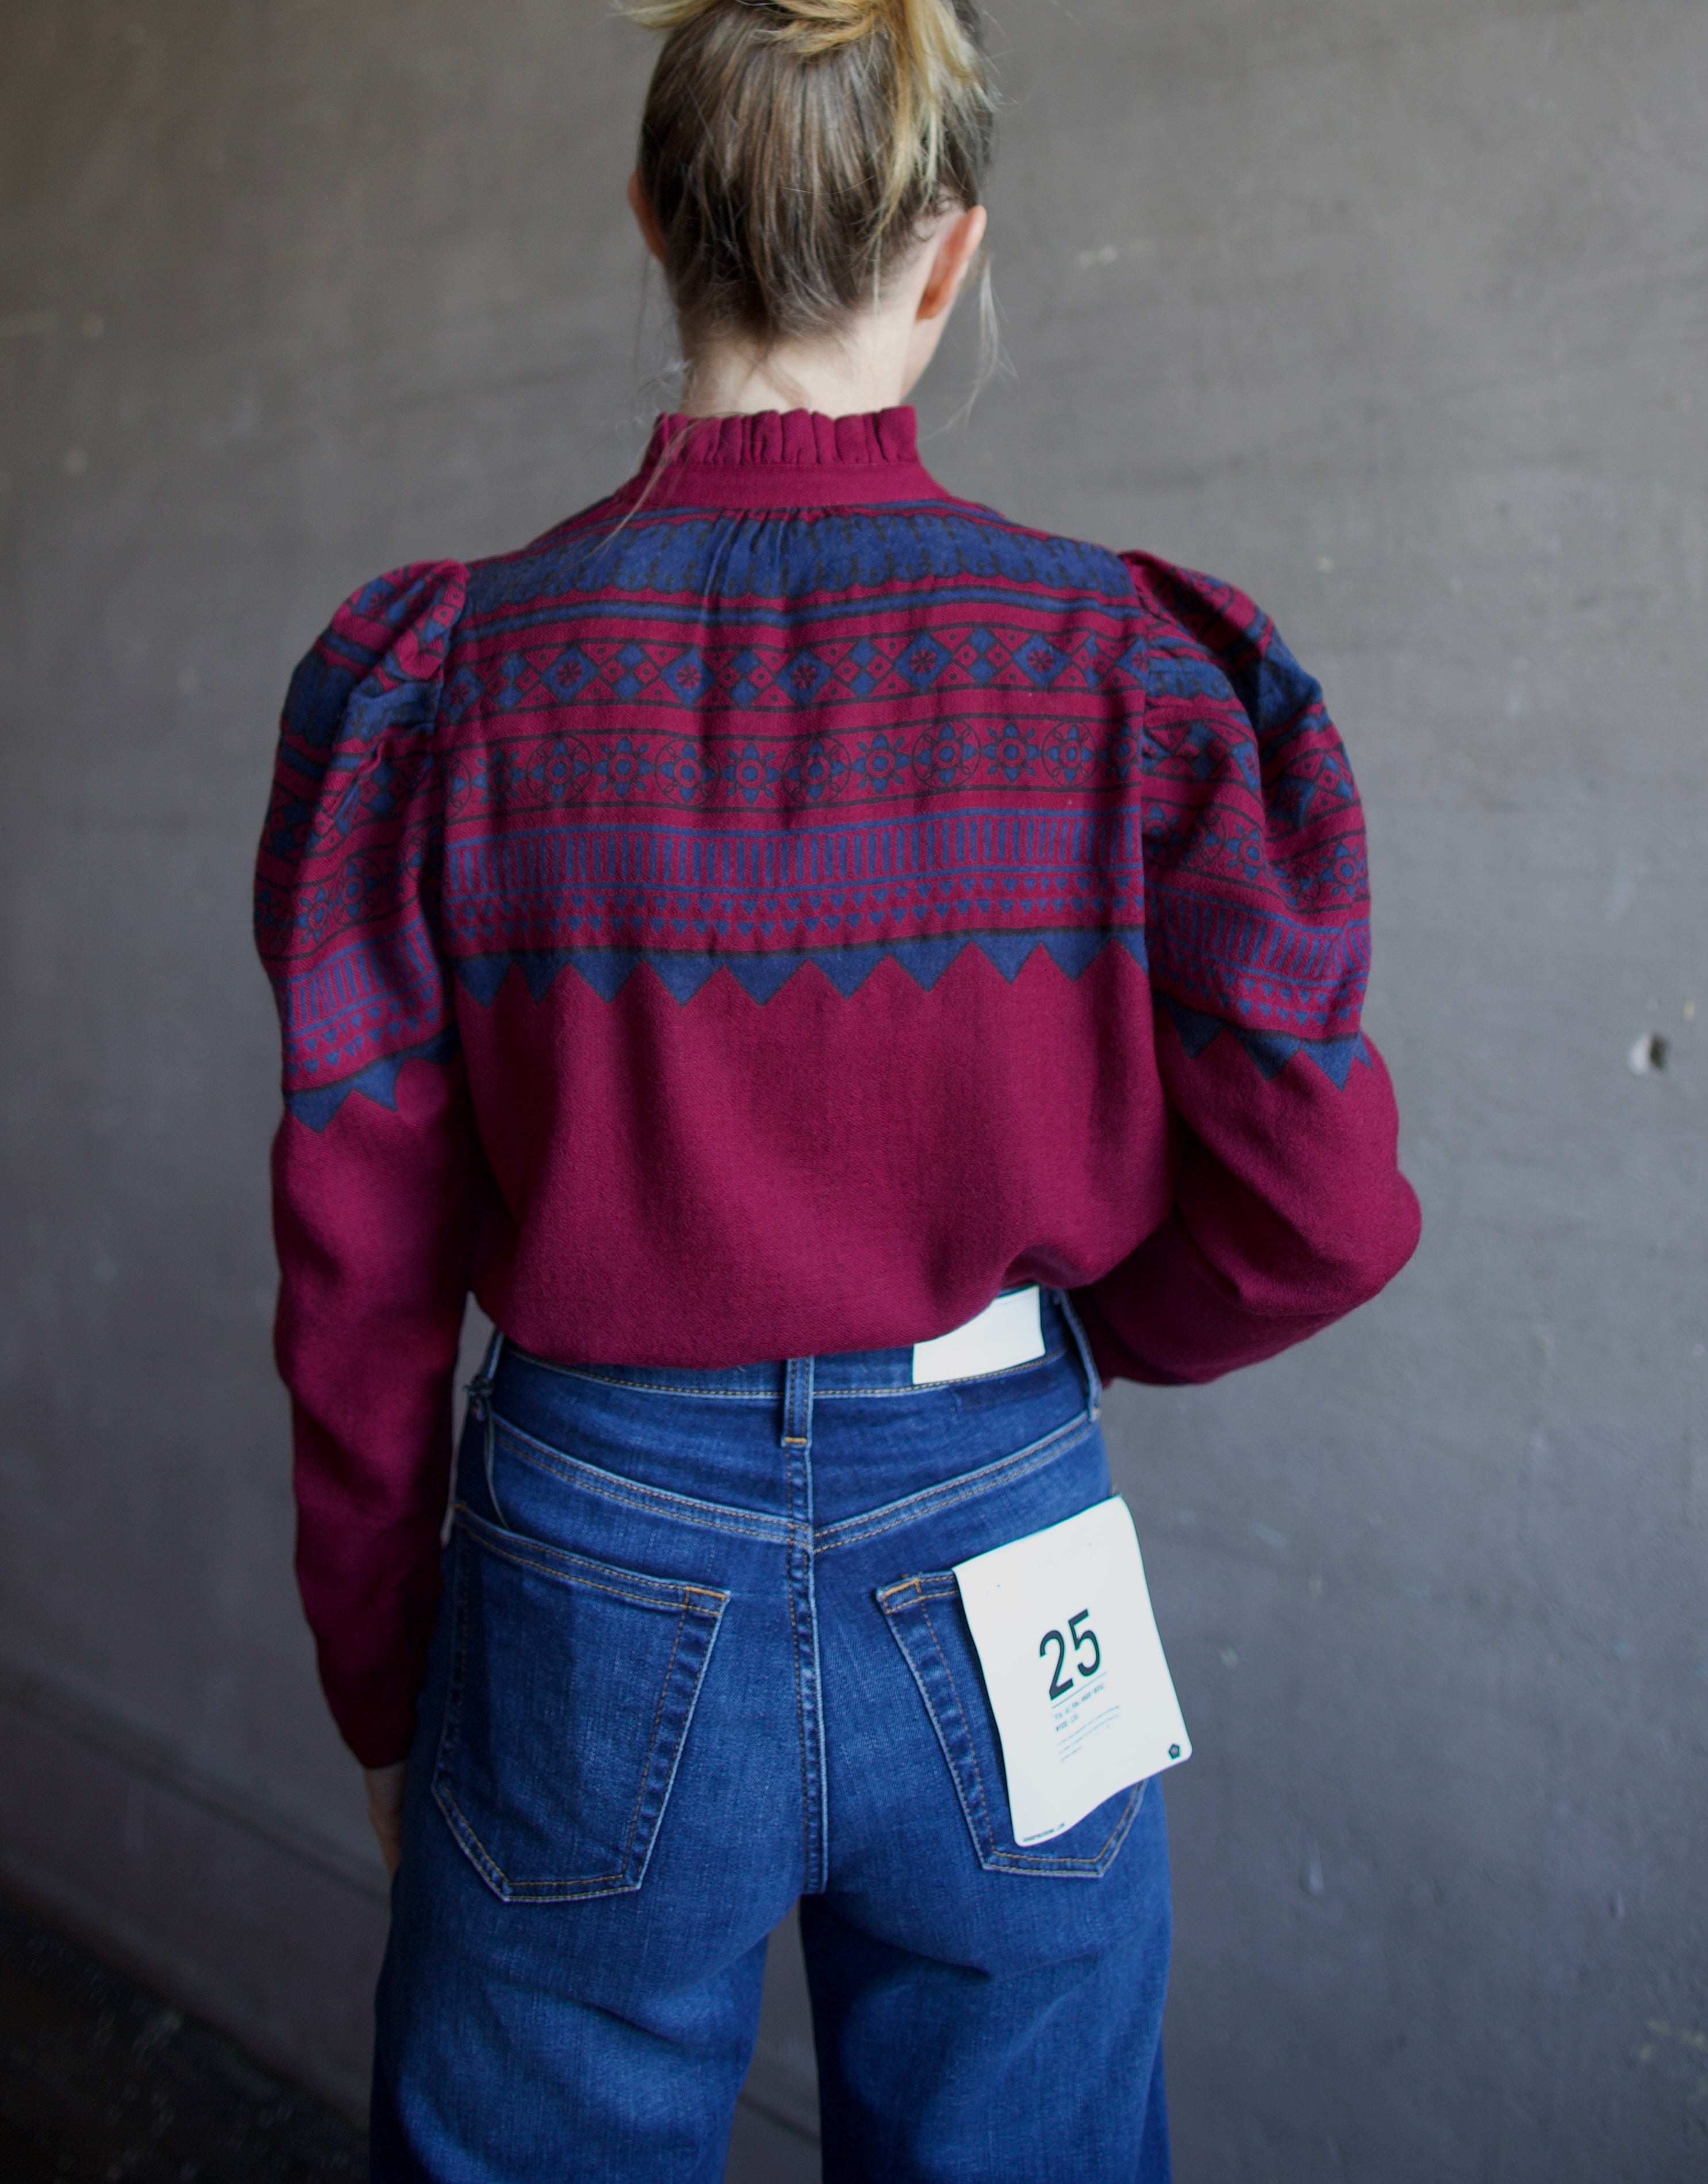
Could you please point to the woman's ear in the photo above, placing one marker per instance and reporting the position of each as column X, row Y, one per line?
column 645, row 217
column 956, row 248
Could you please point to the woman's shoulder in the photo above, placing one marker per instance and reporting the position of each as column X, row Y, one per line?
column 380, row 660
column 1178, row 605
column 1208, row 639
column 404, row 619
column 1205, row 610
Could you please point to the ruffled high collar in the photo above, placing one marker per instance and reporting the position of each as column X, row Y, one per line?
column 782, row 459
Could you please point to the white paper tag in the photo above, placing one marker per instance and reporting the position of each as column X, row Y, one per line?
column 1009, row 1332
column 1083, row 1701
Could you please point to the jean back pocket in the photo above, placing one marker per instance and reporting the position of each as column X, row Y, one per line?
column 928, row 1622
column 572, row 1684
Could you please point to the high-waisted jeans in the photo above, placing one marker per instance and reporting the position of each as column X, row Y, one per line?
column 701, row 1654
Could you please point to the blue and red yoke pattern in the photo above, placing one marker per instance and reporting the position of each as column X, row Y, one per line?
column 765, row 916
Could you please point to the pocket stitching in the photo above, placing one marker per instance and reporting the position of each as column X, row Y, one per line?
column 688, row 1605
column 933, row 1585
column 955, row 1775
column 681, row 1595
column 653, row 1747
column 1078, row 1869
column 990, row 1841
column 580, row 1887
column 577, row 1887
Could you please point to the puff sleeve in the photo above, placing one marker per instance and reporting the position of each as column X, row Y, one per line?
column 374, row 1162
column 1289, row 1207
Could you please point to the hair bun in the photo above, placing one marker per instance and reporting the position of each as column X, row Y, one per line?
column 790, row 147
column 934, row 54
column 827, row 24
column 927, row 35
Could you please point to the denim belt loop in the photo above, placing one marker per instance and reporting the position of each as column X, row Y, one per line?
column 1094, row 1384
column 480, row 1388
column 797, row 1403
column 479, row 1393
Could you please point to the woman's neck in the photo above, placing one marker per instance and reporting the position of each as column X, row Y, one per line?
column 873, row 363
column 839, row 378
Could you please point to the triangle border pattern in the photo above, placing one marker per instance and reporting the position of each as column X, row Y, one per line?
column 1271, row 1050
column 378, row 1081
column 684, row 971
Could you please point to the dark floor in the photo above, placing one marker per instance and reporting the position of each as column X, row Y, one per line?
column 100, row 2080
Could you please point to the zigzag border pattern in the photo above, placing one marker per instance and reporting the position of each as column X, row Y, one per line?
column 683, row 971
column 378, row 1082
column 1271, row 1051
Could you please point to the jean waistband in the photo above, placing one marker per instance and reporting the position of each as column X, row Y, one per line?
column 791, row 1382
column 822, row 1441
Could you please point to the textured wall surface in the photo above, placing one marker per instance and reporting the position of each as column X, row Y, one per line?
column 1395, row 314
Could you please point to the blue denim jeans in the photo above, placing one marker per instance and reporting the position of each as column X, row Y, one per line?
column 701, row 1654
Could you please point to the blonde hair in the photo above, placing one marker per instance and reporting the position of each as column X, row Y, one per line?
column 791, row 149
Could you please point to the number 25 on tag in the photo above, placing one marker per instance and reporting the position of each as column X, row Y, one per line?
column 1075, row 1671
column 1058, row 1688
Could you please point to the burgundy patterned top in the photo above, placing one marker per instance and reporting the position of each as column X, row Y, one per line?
column 767, row 916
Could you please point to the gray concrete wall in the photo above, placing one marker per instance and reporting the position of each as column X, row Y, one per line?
column 1394, row 314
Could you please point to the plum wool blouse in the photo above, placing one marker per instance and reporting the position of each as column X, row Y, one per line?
column 767, row 916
